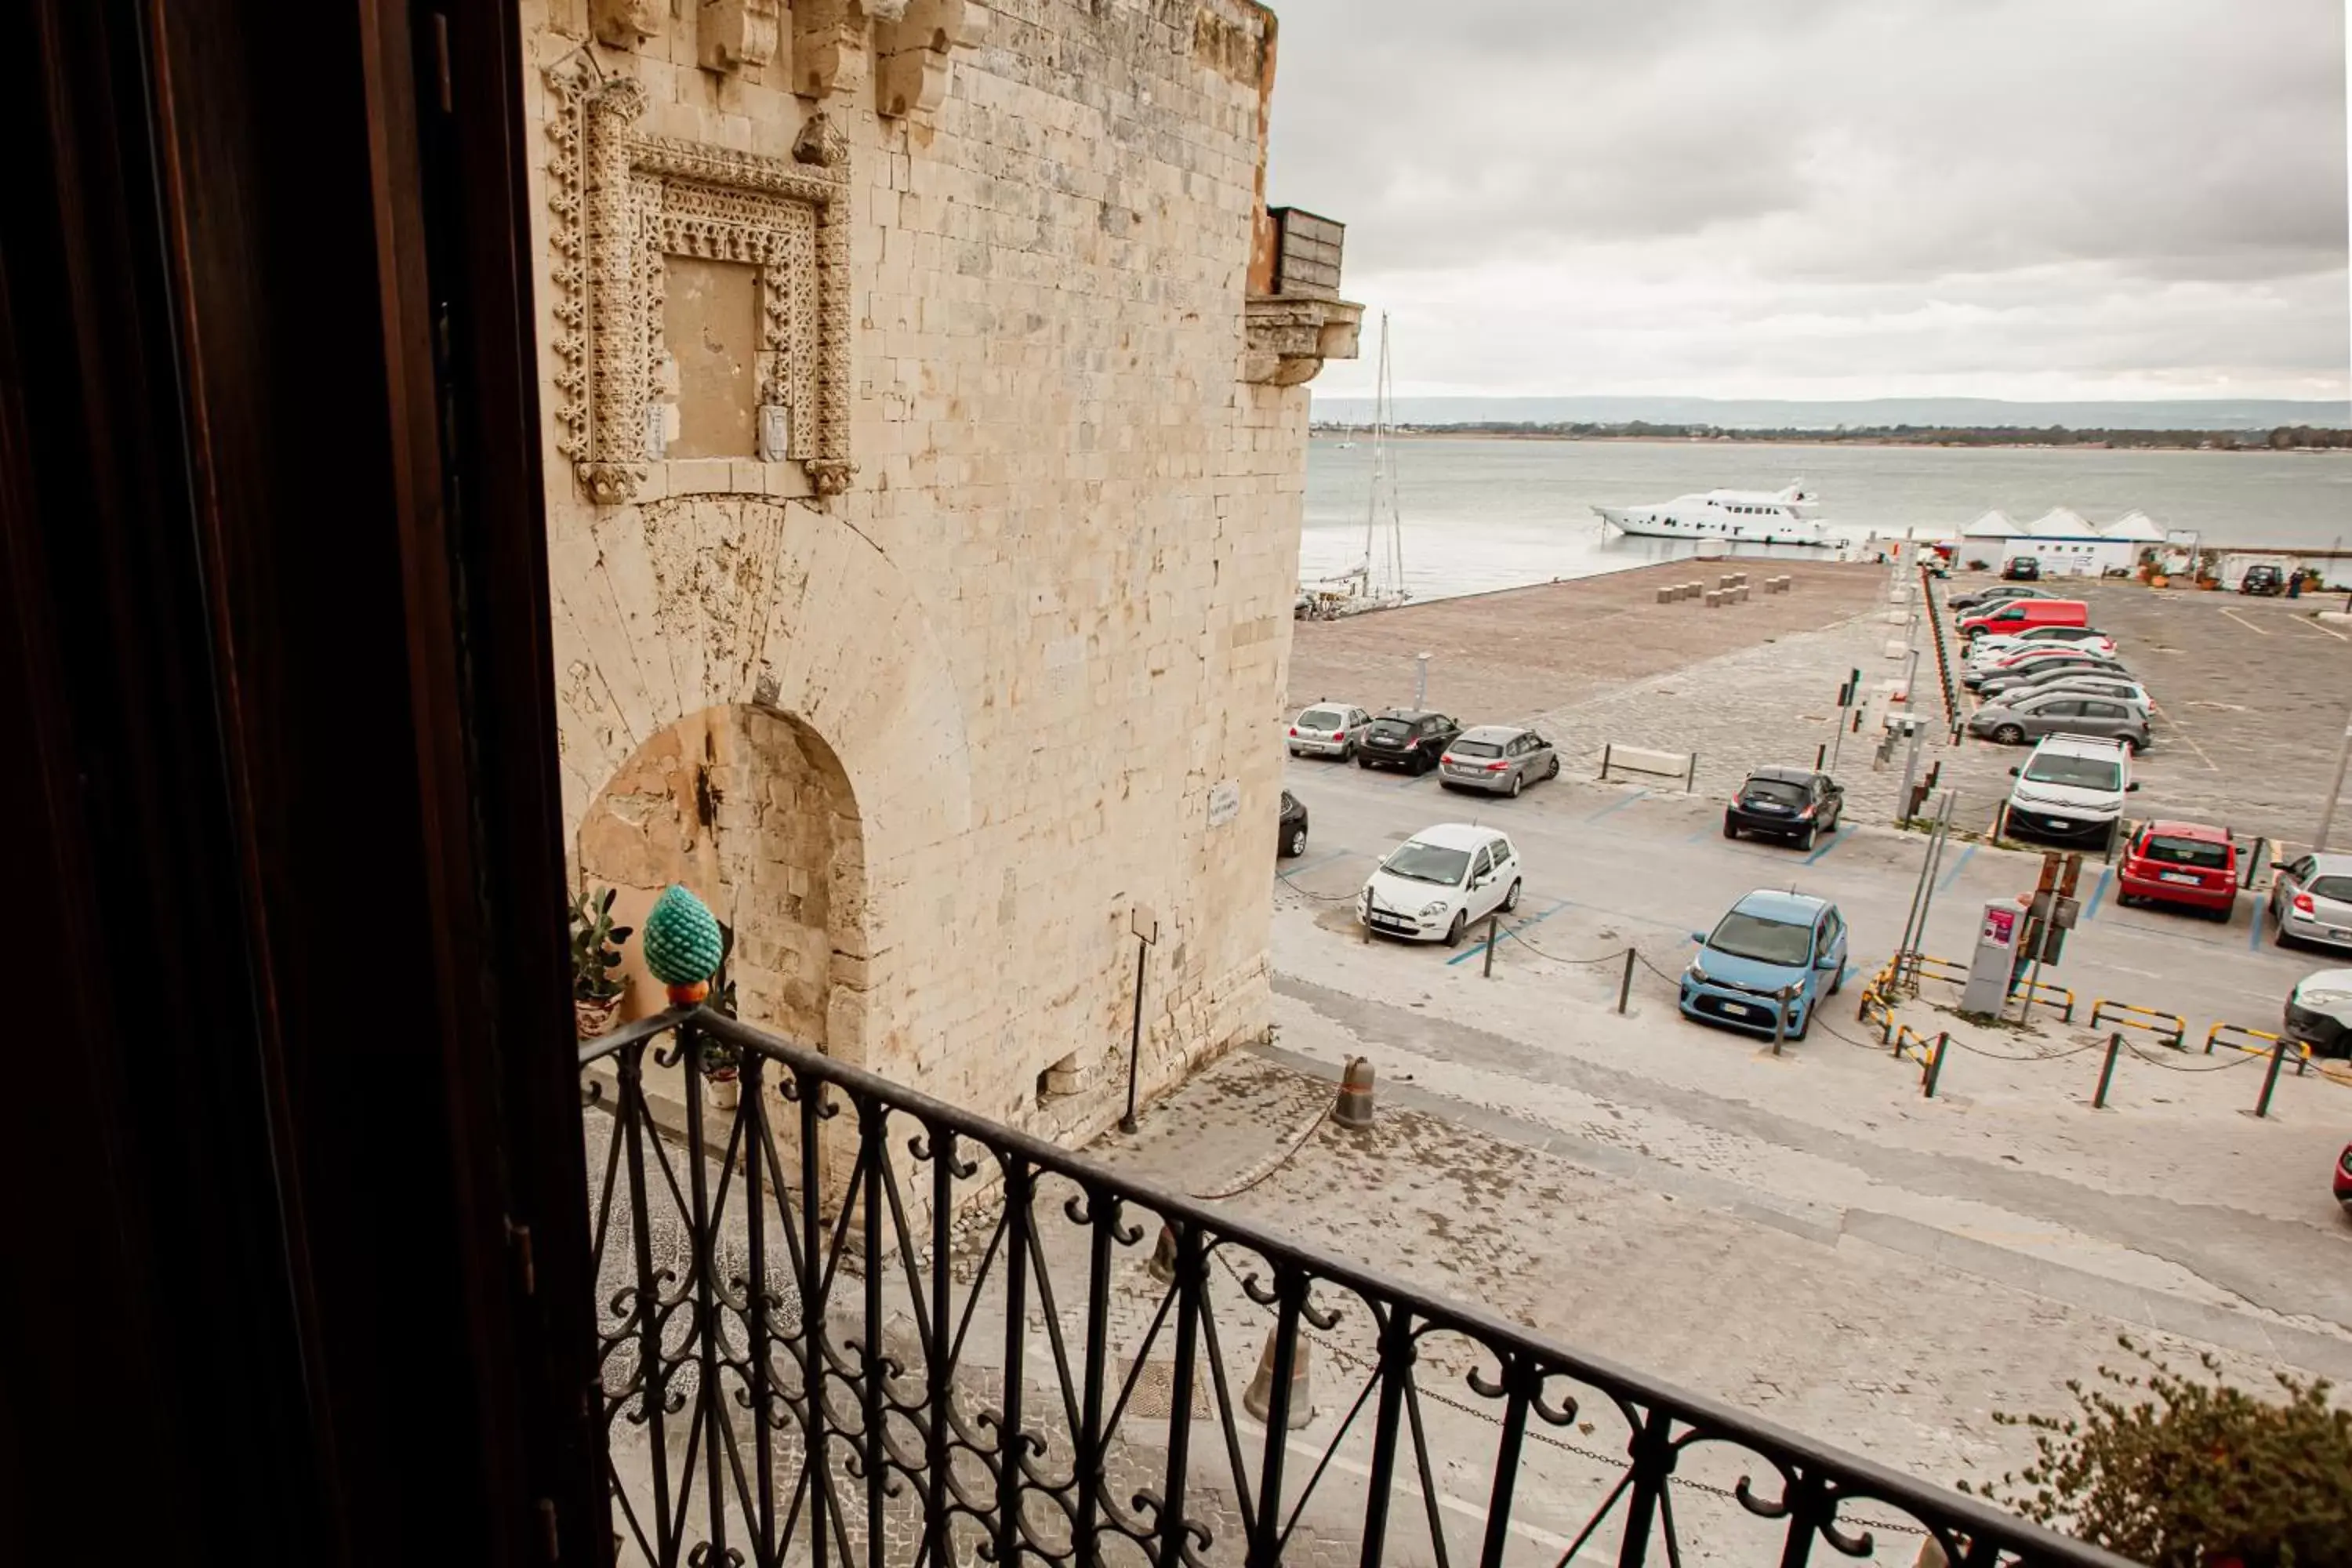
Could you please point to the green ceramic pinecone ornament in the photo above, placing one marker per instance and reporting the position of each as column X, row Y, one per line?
column 682, row 943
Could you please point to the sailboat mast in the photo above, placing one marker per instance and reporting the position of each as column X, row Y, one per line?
column 1379, row 451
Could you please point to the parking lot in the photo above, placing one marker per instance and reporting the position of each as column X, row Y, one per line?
column 1858, row 1260
column 1618, row 864
column 2251, row 704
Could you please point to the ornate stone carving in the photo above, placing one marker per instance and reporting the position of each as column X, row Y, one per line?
column 828, row 47
column 731, row 35
column 1289, row 338
column 821, row 143
column 912, row 52
column 625, row 202
column 626, row 23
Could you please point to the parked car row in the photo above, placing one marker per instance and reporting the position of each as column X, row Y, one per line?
column 2039, row 668
column 1492, row 759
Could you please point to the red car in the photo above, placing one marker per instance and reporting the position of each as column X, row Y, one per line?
column 2183, row 863
column 2344, row 1177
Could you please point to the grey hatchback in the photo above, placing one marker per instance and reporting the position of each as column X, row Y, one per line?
column 2019, row 717
column 1499, row 759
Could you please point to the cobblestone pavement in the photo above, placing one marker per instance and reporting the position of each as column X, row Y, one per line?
column 1596, row 1229
column 1497, row 657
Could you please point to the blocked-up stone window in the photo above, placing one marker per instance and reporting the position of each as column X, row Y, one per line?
column 710, row 328
column 703, row 295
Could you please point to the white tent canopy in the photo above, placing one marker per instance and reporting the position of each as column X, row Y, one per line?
column 2060, row 523
column 2135, row 526
column 1994, row 524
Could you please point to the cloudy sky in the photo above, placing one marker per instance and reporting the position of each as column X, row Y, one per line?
column 1829, row 198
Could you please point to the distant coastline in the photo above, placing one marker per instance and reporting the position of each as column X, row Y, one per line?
column 2284, row 438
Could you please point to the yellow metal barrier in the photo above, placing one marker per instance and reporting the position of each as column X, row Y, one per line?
column 2295, row 1048
column 2044, row 992
column 1941, row 968
column 1906, row 1038
column 2173, row 1030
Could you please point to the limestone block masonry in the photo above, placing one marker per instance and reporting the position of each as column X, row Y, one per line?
column 924, row 486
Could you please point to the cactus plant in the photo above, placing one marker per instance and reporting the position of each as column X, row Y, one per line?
column 595, row 947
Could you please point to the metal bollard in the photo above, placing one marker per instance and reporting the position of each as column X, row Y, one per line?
column 2270, row 1078
column 1779, row 1016
column 1258, row 1399
column 1353, row 1110
column 2107, row 1072
column 1625, row 985
column 1936, row 1064
column 1163, row 1266
column 1492, row 921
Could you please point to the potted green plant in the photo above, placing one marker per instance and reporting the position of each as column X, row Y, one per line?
column 595, row 956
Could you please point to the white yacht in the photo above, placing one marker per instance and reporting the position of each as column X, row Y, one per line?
column 1751, row 517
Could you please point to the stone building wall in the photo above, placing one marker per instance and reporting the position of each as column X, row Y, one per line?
column 923, row 527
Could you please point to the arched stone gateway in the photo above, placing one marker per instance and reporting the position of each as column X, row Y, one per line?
column 751, row 810
column 756, row 708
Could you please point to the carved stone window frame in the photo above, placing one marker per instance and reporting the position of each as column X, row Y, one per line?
column 623, row 203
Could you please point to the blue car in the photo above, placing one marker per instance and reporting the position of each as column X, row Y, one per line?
column 1774, row 949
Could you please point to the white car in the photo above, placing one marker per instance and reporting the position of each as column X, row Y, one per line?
column 2071, row 788
column 1434, row 885
column 1327, row 730
column 1989, row 651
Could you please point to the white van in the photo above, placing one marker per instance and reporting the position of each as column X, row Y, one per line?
column 2071, row 788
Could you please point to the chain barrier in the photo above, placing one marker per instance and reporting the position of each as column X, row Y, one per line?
column 2031, row 1056
column 2176, row 1066
column 1674, row 980
column 1617, row 957
column 1284, row 878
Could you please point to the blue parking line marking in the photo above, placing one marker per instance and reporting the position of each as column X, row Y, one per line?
column 1530, row 920
column 1943, row 883
column 1845, row 973
column 1310, row 864
column 1618, row 806
column 2254, row 928
column 1840, row 836
column 2098, row 894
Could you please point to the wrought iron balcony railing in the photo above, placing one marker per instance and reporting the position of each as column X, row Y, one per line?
column 842, row 1322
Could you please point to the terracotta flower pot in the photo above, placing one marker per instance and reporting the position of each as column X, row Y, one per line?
column 594, row 1017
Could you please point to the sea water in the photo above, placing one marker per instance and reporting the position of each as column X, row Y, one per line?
column 1481, row 514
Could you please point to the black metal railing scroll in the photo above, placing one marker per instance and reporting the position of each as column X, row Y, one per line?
column 846, row 1326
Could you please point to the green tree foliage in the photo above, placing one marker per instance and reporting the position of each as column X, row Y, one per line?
column 2179, row 1472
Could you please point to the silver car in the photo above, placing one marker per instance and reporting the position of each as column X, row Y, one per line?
column 2311, row 901
column 1327, row 730
column 2122, row 688
column 2019, row 717
column 1499, row 759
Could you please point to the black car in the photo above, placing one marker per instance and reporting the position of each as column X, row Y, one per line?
column 1292, row 841
column 1795, row 804
column 2022, row 568
column 1984, row 597
column 1406, row 738
column 2267, row 581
